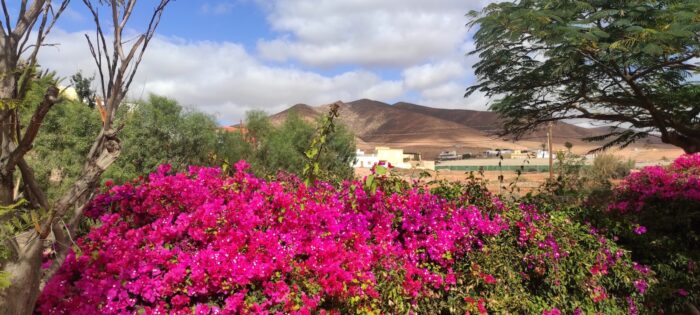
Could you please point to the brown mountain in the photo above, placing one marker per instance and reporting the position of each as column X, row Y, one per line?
column 431, row 130
column 490, row 123
column 304, row 111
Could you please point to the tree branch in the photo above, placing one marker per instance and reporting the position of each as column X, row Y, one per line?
column 637, row 74
column 7, row 17
column 30, row 180
column 43, row 30
column 27, row 20
column 148, row 35
column 50, row 99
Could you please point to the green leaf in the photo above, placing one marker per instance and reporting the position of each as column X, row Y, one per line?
column 600, row 33
column 634, row 29
column 312, row 152
column 590, row 36
column 653, row 49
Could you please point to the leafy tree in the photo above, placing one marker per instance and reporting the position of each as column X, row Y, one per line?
column 270, row 149
column 568, row 145
column 65, row 137
column 627, row 63
column 83, row 88
column 159, row 131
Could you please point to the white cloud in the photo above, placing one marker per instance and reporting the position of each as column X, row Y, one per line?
column 423, row 41
column 398, row 33
column 222, row 78
column 432, row 74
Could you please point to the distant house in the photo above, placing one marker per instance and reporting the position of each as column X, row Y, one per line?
column 449, row 156
column 521, row 154
column 395, row 157
column 365, row 160
column 497, row 152
column 542, row 154
column 424, row 165
column 411, row 156
column 243, row 131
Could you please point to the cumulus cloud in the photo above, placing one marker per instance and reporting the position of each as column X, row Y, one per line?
column 371, row 33
column 423, row 41
column 222, row 78
column 431, row 74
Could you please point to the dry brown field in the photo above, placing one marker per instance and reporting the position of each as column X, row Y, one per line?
column 532, row 180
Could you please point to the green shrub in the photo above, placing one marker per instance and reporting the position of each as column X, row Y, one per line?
column 655, row 213
column 545, row 260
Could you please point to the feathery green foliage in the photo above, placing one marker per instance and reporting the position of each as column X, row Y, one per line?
column 629, row 63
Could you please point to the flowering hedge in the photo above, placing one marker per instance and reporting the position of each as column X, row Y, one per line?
column 679, row 181
column 203, row 243
column 656, row 214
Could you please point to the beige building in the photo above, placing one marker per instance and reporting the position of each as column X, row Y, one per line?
column 519, row 154
column 396, row 157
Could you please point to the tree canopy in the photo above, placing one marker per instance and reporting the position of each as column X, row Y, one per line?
column 159, row 130
column 627, row 63
column 282, row 147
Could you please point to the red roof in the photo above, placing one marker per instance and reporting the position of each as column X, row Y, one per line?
column 242, row 130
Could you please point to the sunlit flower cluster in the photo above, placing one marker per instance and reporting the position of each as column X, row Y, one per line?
column 205, row 243
column 678, row 181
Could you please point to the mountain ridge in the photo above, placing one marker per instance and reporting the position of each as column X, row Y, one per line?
column 431, row 130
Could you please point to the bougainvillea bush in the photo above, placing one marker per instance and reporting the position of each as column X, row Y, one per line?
column 656, row 214
column 204, row 243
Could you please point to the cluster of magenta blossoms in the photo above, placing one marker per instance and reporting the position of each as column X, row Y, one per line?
column 203, row 243
column 678, row 181
column 660, row 206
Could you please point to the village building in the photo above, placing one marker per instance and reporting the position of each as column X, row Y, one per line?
column 396, row 157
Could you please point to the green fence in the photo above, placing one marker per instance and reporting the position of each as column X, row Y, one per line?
column 468, row 168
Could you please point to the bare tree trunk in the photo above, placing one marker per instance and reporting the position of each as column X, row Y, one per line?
column 7, row 95
column 6, row 189
column 689, row 144
column 21, row 296
column 117, row 69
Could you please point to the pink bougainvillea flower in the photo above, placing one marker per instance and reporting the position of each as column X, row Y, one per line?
column 640, row 229
column 641, row 285
column 554, row 311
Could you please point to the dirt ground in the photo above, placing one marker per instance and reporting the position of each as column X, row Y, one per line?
column 637, row 152
column 529, row 181
column 526, row 181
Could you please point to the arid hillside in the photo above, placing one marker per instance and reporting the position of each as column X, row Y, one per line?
column 430, row 130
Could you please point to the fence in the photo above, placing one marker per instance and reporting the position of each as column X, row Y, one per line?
column 468, row 168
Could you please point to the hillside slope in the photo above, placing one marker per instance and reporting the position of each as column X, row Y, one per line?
column 431, row 130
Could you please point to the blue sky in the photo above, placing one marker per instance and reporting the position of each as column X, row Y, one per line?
column 198, row 20
column 225, row 57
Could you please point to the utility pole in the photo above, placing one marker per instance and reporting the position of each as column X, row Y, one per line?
column 241, row 129
column 549, row 146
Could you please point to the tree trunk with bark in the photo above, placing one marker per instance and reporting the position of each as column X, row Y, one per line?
column 116, row 70
column 21, row 296
column 7, row 98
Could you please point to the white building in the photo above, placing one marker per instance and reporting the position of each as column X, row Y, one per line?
column 395, row 157
column 364, row 160
column 542, row 154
